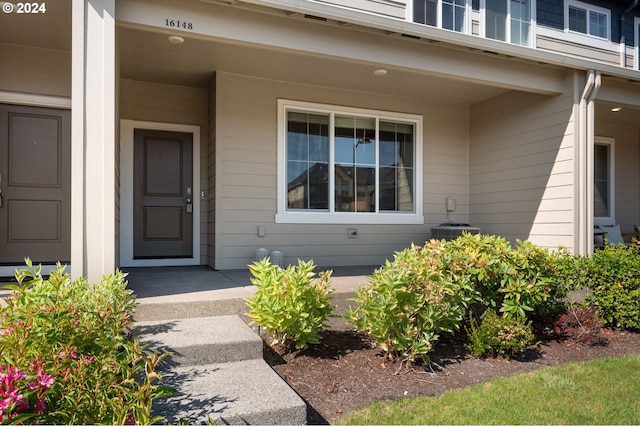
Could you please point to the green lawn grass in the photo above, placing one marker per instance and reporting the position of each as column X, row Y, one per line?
column 605, row 391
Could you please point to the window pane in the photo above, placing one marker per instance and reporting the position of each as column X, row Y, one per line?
column 425, row 12
column 577, row 20
column 397, row 165
column 496, row 19
column 601, row 199
column 520, row 22
column 597, row 24
column 453, row 15
column 355, row 158
column 307, row 161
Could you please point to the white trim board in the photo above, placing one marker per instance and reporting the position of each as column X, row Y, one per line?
column 29, row 99
column 127, row 128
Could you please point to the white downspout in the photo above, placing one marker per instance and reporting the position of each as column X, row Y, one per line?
column 586, row 140
column 623, row 44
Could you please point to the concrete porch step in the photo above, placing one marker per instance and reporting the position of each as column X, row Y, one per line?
column 219, row 373
column 245, row 392
column 199, row 341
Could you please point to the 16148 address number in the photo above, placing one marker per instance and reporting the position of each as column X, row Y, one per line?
column 175, row 23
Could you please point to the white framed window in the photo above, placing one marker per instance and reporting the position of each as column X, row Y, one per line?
column 508, row 20
column 452, row 15
column 604, row 181
column 348, row 165
column 583, row 18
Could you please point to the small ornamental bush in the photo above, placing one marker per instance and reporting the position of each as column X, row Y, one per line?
column 516, row 281
column 507, row 336
column 427, row 291
column 410, row 301
column 613, row 275
column 290, row 303
column 66, row 358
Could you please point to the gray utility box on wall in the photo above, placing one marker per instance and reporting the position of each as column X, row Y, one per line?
column 450, row 231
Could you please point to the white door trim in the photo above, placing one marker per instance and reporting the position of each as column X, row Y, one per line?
column 127, row 128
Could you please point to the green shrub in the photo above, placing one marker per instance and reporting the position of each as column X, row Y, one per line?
column 613, row 275
column 290, row 303
column 516, row 281
column 410, row 301
column 426, row 291
column 65, row 356
column 507, row 336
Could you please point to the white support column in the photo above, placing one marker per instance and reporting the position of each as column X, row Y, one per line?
column 585, row 140
column 93, row 139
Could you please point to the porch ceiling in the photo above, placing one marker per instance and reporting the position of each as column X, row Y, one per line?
column 149, row 56
column 626, row 116
column 48, row 30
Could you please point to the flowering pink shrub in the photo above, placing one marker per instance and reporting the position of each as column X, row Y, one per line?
column 66, row 357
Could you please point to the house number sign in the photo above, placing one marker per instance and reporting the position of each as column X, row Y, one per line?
column 176, row 23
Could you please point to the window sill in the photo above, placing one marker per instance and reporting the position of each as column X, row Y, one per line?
column 350, row 218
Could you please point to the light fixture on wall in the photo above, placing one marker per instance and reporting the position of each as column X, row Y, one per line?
column 380, row 72
column 616, row 109
column 174, row 39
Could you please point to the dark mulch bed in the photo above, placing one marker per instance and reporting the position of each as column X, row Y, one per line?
column 345, row 372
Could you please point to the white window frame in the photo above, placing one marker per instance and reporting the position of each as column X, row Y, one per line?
column 483, row 27
column 636, row 32
column 284, row 215
column 467, row 21
column 611, row 219
column 586, row 37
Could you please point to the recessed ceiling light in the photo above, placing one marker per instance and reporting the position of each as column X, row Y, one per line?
column 176, row 39
column 616, row 109
column 380, row 72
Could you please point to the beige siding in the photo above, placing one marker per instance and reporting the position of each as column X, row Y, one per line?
column 172, row 104
column 246, row 176
column 521, row 167
column 392, row 8
column 558, row 45
column 32, row 70
column 627, row 173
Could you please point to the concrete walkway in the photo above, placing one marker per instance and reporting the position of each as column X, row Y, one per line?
column 199, row 291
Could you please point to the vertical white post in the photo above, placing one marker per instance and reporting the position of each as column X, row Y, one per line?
column 93, row 138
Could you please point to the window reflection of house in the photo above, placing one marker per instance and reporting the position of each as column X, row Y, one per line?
column 309, row 189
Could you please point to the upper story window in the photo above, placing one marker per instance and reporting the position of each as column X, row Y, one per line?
column 587, row 19
column 508, row 20
column 448, row 14
column 345, row 165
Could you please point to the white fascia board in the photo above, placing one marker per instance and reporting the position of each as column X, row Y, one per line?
column 343, row 14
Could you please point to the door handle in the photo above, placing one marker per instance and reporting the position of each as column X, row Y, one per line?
column 0, row 198
column 189, row 202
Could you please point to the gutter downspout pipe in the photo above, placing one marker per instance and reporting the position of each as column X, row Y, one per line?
column 586, row 140
column 623, row 46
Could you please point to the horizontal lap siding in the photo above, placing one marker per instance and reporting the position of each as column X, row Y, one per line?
column 522, row 168
column 33, row 70
column 247, row 174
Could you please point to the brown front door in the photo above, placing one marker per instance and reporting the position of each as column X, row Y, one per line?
column 163, row 194
column 35, row 180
